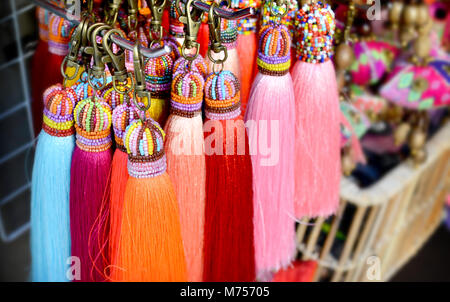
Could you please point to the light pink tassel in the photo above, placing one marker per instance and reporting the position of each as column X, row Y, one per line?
column 317, row 131
column 270, row 118
column 184, row 146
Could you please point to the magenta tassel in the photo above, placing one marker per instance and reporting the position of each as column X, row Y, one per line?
column 89, row 181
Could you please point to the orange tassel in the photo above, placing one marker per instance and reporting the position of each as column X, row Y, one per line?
column 150, row 244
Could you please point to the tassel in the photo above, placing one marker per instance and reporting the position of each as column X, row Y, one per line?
column 317, row 137
column 50, row 187
column 122, row 116
column 158, row 76
column 38, row 64
column 184, row 146
column 228, row 35
column 203, row 37
column 228, row 238
column 150, row 246
column 90, row 171
column 272, row 106
column 247, row 47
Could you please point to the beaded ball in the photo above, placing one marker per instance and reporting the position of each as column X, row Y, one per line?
column 93, row 125
column 248, row 25
column 198, row 65
column 49, row 90
column 144, row 142
column 222, row 96
column 114, row 98
column 59, row 104
column 228, row 33
column 176, row 28
column 274, row 50
column 122, row 116
column 59, row 32
column 187, row 94
column 315, row 25
column 288, row 20
column 43, row 18
column 158, row 75
column 175, row 45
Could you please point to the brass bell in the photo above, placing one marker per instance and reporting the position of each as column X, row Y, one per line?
column 345, row 56
column 348, row 165
column 401, row 133
column 417, row 139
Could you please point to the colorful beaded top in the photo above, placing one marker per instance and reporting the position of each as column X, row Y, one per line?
column 274, row 50
column 247, row 25
column 58, row 111
column 144, row 142
column 176, row 28
column 228, row 33
column 59, row 32
column 198, row 65
column 315, row 29
column 122, row 116
column 158, row 75
column 176, row 47
column 93, row 125
column 187, row 94
column 114, row 98
column 222, row 96
column 43, row 19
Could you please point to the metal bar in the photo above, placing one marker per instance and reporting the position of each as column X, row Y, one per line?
column 124, row 43
column 231, row 15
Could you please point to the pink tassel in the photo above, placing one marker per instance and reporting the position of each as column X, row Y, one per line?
column 317, row 137
column 184, row 147
column 271, row 106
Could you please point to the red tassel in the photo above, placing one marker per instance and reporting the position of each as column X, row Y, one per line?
column 38, row 65
column 203, row 38
column 247, row 45
column 228, row 238
column 39, row 83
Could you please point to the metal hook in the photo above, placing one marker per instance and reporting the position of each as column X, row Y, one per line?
column 132, row 14
column 278, row 4
column 115, row 62
column 157, row 9
column 71, row 59
column 139, row 86
column 192, row 19
column 113, row 12
column 214, row 36
column 98, row 69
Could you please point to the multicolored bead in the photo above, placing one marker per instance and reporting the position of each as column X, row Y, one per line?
column 222, row 96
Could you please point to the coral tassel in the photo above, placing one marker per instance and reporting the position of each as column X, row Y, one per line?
column 186, row 164
column 228, row 245
column 317, row 137
column 271, row 116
